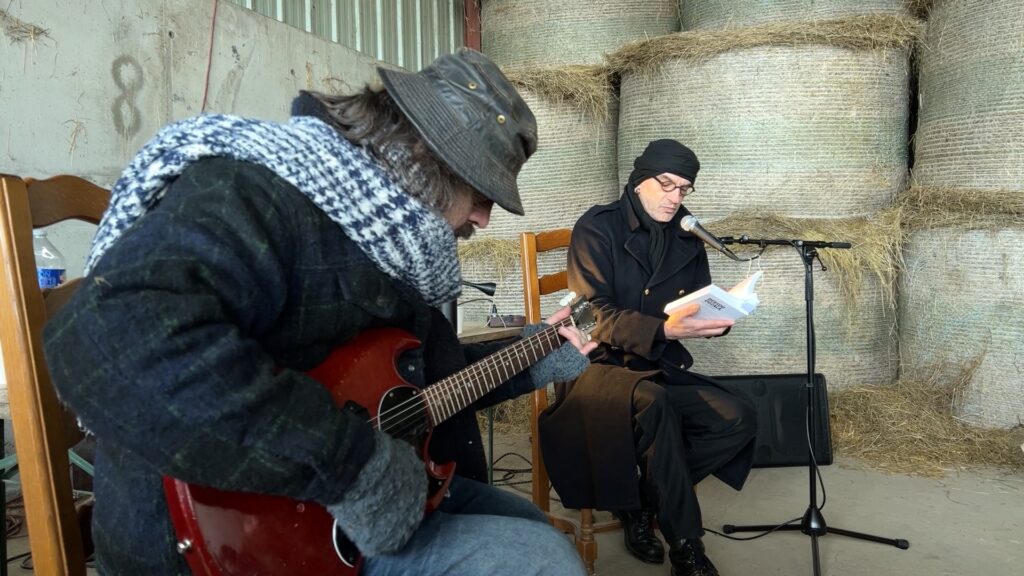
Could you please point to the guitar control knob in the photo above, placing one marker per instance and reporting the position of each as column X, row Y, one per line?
column 184, row 546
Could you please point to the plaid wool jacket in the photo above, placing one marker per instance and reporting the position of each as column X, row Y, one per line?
column 184, row 350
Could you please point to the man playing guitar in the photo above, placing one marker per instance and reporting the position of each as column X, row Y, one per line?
column 236, row 257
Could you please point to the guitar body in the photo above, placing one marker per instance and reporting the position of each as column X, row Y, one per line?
column 236, row 533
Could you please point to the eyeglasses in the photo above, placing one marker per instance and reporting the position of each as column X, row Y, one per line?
column 668, row 186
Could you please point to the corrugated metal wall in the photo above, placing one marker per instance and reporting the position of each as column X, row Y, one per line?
column 408, row 33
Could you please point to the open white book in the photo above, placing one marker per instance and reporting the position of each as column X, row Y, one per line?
column 717, row 304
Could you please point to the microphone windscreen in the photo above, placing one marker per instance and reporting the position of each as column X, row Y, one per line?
column 688, row 222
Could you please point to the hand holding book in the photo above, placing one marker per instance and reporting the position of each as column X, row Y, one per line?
column 711, row 309
column 682, row 324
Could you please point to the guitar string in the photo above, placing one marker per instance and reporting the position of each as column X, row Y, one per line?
column 407, row 412
column 411, row 408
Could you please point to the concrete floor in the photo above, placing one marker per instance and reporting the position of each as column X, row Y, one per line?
column 965, row 524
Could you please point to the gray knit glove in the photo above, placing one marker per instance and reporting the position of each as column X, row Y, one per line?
column 384, row 506
column 562, row 365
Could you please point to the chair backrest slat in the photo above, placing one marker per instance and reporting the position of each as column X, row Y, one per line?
column 535, row 286
column 43, row 429
column 65, row 198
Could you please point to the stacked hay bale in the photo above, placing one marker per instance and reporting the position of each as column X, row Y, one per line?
column 553, row 52
column 574, row 168
column 962, row 295
column 806, row 119
column 802, row 131
column 552, row 33
column 732, row 13
column 854, row 302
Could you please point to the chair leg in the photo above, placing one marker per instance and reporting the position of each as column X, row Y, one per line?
column 586, row 544
column 3, row 505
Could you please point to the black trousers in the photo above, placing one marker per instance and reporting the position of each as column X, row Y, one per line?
column 682, row 434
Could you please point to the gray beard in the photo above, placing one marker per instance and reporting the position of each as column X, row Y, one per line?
column 465, row 232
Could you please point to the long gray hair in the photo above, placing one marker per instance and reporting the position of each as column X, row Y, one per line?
column 371, row 118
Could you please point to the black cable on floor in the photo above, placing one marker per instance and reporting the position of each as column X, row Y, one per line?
column 18, row 557
column 756, row 536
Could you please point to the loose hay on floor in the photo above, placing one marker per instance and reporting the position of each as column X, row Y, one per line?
column 909, row 428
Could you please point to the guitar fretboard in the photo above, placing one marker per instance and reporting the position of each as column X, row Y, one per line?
column 461, row 389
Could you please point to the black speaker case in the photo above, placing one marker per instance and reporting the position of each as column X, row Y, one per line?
column 781, row 404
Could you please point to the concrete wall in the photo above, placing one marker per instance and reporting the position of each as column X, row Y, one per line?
column 83, row 85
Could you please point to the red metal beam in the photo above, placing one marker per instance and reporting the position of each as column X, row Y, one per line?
column 472, row 24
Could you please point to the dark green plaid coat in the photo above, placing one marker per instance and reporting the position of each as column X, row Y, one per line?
column 171, row 353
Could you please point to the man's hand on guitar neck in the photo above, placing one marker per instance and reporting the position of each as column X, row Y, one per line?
column 568, row 361
column 572, row 334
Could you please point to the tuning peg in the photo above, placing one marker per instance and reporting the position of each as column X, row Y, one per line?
column 567, row 299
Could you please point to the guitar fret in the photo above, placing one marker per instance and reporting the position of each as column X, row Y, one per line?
column 428, row 396
column 452, row 401
column 480, row 379
column 518, row 358
column 441, row 394
column 446, row 403
column 458, row 395
column 536, row 354
column 479, row 388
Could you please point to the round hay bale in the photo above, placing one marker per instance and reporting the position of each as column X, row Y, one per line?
column 731, row 13
column 804, row 120
column 550, row 33
column 971, row 121
column 961, row 317
column 854, row 311
column 573, row 169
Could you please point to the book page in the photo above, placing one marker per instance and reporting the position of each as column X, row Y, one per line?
column 716, row 303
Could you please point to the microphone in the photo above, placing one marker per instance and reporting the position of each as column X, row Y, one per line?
column 690, row 224
column 487, row 288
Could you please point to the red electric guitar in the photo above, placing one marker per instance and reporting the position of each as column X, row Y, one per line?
column 237, row 533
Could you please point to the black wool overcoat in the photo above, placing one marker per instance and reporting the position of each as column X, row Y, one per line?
column 587, row 433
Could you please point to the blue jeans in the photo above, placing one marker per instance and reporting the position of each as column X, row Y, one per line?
column 479, row 529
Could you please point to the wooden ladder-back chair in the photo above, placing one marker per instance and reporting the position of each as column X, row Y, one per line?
column 535, row 286
column 43, row 429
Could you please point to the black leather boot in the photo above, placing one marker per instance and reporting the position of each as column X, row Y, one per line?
column 639, row 535
column 688, row 559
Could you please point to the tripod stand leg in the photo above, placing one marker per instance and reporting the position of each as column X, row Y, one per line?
column 897, row 542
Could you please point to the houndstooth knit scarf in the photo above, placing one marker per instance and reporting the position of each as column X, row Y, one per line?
column 401, row 235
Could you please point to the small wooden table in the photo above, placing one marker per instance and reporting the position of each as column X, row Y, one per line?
column 476, row 333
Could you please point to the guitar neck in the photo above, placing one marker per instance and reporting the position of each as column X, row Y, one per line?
column 468, row 385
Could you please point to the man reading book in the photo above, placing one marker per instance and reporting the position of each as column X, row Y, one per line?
column 653, row 428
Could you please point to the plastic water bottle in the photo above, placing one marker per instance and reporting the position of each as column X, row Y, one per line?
column 50, row 266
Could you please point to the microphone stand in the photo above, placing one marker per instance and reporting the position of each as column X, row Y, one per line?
column 813, row 522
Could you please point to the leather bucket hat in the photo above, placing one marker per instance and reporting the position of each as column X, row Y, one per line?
column 472, row 118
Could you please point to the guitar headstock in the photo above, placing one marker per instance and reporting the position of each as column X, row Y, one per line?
column 581, row 313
